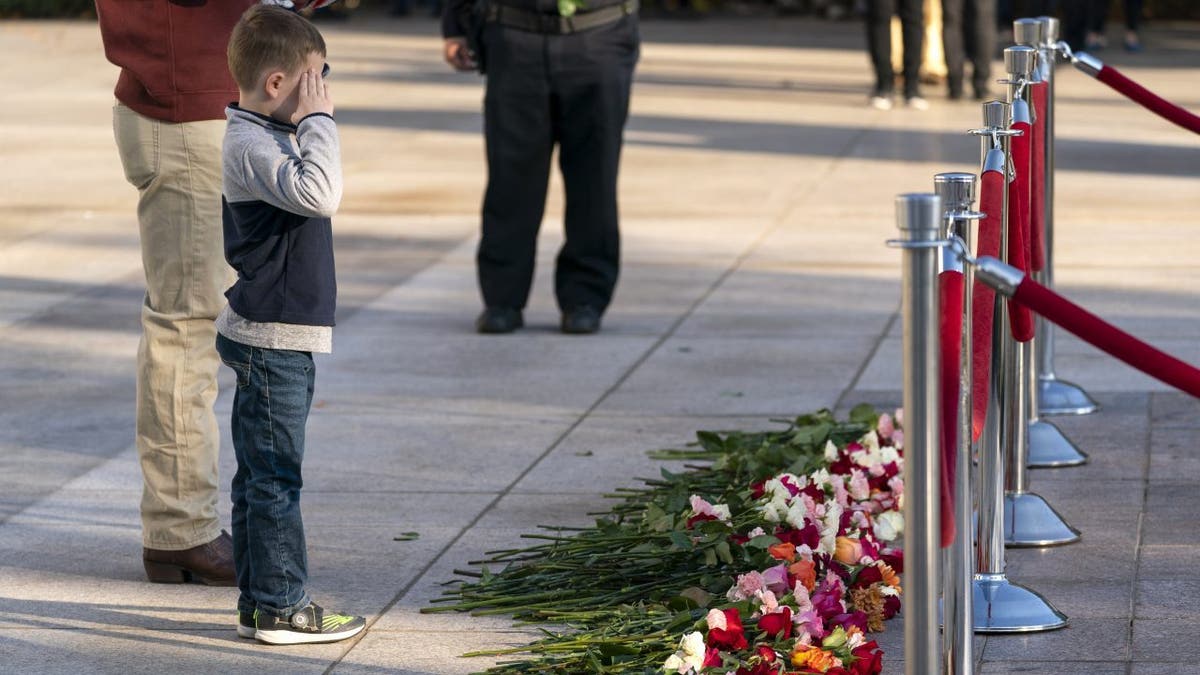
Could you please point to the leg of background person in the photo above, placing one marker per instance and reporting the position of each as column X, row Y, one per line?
column 592, row 75
column 520, row 140
column 1133, row 14
column 980, row 38
column 911, row 18
column 879, row 43
column 1097, row 17
column 952, row 45
column 1004, row 14
column 1133, row 18
column 1075, row 17
column 177, row 170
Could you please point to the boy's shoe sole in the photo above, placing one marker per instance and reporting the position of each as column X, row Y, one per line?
column 309, row 625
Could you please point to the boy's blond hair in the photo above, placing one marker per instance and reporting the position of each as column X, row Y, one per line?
column 270, row 38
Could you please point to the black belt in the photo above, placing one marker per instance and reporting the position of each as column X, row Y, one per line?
column 536, row 22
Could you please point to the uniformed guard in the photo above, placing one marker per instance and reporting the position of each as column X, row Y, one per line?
column 558, row 72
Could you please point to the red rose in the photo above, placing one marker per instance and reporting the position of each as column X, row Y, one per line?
column 699, row 518
column 868, row 576
column 732, row 637
column 712, row 657
column 868, row 660
column 767, row 654
column 774, row 624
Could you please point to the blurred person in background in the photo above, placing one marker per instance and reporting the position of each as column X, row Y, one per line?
column 968, row 34
column 879, row 46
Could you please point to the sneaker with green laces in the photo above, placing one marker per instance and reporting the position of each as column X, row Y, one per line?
column 310, row 624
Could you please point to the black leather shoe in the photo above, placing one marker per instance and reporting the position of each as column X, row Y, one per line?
column 210, row 564
column 495, row 320
column 581, row 320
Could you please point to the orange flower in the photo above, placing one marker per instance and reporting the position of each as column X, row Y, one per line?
column 805, row 572
column 889, row 575
column 849, row 550
column 784, row 551
column 815, row 658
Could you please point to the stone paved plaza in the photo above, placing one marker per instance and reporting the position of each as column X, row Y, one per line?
column 756, row 197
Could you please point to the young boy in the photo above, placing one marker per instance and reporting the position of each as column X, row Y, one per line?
column 282, row 183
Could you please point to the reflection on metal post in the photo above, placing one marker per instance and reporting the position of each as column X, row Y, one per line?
column 1028, row 519
column 1055, row 396
column 918, row 216
column 1048, row 446
column 957, row 192
column 999, row 606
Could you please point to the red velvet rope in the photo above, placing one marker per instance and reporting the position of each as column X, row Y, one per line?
column 1037, row 201
column 951, row 289
column 1148, row 99
column 1107, row 337
column 1018, row 227
column 991, row 200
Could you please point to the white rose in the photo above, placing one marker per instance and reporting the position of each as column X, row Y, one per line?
column 870, row 441
column 831, row 451
column 796, row 514
column 693, row 651
column 888, row 454
column 889, row 526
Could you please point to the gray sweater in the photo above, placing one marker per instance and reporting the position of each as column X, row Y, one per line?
column 282, row 184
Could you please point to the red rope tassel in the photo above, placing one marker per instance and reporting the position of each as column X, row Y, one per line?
column 991, row 200
column 951, row 289
column 1105, row 336
column 1037, row 202
column 1018, row 227
column 1148, row 99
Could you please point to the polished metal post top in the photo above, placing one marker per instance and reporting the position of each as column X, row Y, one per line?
column 918, row 212
column 1019, row 61
column 995, row 115
column 1050, row 29
column 956, row 188
column 1028, row 32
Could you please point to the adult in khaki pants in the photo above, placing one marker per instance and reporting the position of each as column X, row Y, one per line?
column 169, row 121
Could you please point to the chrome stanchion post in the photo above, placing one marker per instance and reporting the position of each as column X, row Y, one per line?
column 1048, row 446
column 919, row 216
column 1028, row 519
column 1055, row 396
column 957, row 193
column 998, row 605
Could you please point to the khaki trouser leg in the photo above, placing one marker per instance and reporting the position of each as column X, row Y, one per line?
column 177, row 171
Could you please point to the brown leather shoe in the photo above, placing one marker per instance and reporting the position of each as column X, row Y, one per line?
column 210, row 564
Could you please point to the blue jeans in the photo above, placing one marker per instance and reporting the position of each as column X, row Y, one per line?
column 270, row 408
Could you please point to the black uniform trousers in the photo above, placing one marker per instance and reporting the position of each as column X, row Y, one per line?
column 879, row 43
column 968, row 33
column 545, row 90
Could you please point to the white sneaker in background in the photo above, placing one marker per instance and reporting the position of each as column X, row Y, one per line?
column 916, row 103
column 880, row 102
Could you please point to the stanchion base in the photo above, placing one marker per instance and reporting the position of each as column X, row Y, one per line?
column 1049, row 448
column 1001, row 606
column 1059, row 397
column 1030, row 521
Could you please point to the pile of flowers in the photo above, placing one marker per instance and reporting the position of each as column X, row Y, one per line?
column 778, row 557
column 830, row 539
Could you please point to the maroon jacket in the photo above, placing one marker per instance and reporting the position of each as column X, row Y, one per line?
column 172, row 55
